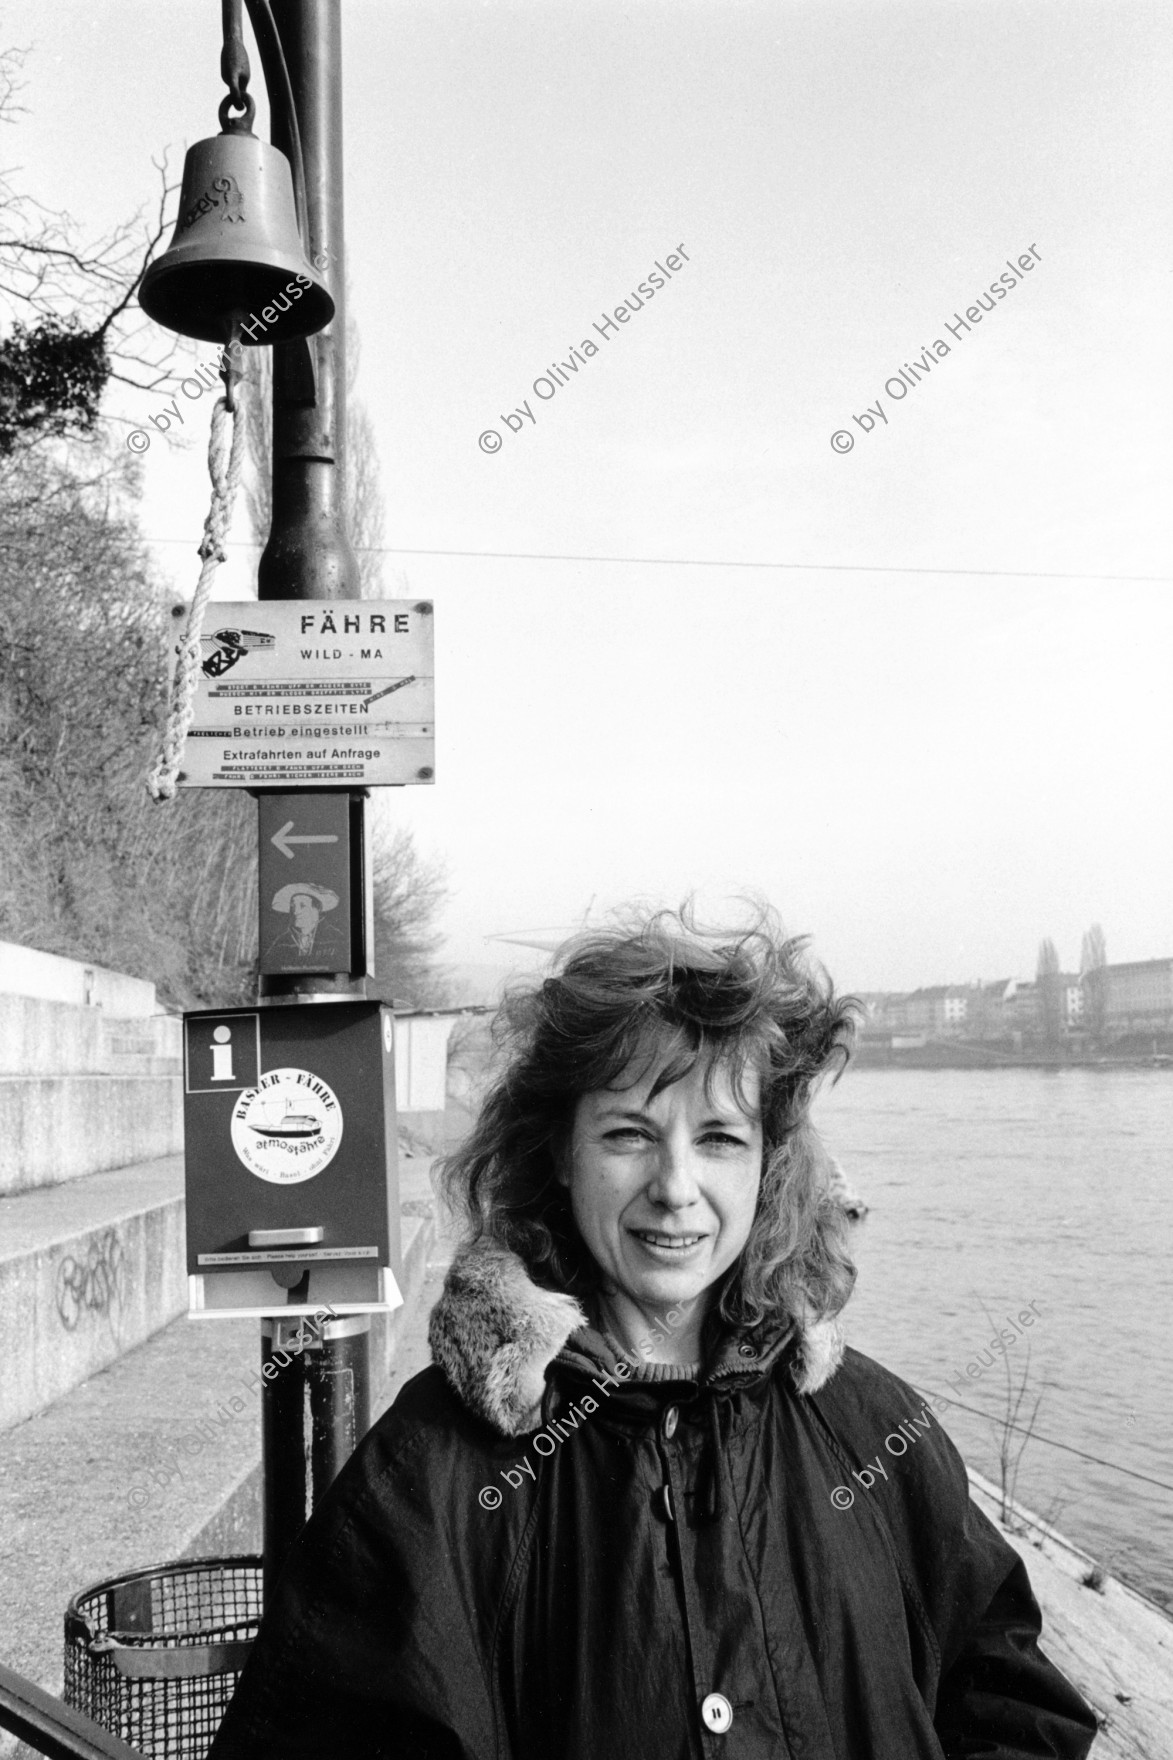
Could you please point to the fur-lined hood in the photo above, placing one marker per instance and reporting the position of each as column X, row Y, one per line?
column 495, row 1332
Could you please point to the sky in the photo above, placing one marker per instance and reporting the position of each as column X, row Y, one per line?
column 915, row 692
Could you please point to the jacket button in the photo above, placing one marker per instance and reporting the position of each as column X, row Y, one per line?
column 717, row 1713
column 670, row 1421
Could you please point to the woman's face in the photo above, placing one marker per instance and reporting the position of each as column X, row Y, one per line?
column 664, row 1190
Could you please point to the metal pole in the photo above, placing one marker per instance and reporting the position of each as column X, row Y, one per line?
column 313, row 1411
column 317, row 1409
column 309, row 554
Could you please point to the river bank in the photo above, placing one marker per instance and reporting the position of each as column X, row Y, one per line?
column 990, row 1189
column 881, row 1053
column 1113, row 1644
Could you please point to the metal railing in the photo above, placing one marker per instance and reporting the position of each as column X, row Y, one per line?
column 50, row 1727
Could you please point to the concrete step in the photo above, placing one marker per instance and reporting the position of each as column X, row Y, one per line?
column 88, row 1270
column 62, row 1127
column 46, row 1037
column 135, row 1064
column 104, row 1481
column 158, row 1040
column 24, row 971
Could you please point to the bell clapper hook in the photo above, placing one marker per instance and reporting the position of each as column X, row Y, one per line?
column 231, row 370
column 234, row 68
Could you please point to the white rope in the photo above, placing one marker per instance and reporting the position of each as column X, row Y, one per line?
column 225, row 462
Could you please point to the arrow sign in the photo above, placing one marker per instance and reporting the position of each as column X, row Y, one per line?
column 304, row 882
column 282, row 839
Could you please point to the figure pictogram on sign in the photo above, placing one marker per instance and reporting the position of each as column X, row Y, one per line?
column 308, row 937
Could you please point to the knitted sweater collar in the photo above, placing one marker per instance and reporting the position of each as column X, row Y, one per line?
column 495, row 1333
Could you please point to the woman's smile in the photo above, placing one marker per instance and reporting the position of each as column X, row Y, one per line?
column 676, row 1244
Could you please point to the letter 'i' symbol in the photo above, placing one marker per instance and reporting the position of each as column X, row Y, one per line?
column 222, row 1055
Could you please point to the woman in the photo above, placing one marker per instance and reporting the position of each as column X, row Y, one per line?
column 623, row 1515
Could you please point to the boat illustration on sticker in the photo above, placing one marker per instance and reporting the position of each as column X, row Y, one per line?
column 291, row 1124
column 288, row 1127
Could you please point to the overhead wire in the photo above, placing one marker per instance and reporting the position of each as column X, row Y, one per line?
column 717, row 562
column 1036, row 1436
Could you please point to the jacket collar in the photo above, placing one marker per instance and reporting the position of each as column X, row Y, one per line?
column 495, row 1332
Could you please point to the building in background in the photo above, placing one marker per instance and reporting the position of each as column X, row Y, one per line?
column 986, row 1020
column 1138, row 996
column 1124, row 1007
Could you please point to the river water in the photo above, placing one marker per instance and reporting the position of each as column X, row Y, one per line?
column 992, row 1189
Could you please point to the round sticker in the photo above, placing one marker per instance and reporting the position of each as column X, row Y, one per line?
column 288, row 1127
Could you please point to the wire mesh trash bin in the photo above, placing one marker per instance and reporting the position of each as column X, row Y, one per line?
column 154, row 1657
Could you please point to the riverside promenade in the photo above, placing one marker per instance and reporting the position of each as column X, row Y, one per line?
column 104, row 1374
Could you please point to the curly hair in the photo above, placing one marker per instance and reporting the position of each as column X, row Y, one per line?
column 659, row 989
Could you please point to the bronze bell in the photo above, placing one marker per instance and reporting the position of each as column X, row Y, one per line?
column 236, row 250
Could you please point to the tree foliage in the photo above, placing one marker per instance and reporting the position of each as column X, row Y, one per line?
column 1093, row 952
column 52, row 376
column 89, row 866
column 408, row 894
column 69, row 305
column 1093, row 957
column 1047, row 973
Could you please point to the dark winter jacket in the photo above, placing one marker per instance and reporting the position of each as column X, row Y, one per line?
column 540, row 1554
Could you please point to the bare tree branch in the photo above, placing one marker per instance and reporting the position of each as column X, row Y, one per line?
column 52, row 283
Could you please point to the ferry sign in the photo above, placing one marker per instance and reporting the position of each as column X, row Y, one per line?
column 297, row 693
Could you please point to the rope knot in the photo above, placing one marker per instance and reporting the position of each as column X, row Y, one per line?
column 225, row 462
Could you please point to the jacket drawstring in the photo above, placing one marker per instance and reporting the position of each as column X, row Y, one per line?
column 715, row 1503
column 710, row 1501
